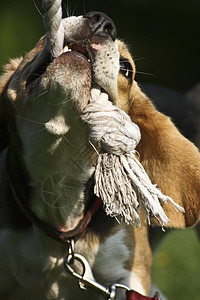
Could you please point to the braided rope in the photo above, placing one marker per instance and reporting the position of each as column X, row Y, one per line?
column 120, row 179
column 53, row 22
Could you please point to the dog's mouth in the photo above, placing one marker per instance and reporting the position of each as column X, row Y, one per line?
column 79, row 49
column 88, row 47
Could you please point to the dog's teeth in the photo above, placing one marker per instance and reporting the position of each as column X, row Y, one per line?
column 66, row 49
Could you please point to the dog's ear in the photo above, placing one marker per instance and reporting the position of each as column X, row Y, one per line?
column 8, row 69
column 171, row 161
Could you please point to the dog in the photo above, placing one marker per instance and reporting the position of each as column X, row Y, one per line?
column 47, row 164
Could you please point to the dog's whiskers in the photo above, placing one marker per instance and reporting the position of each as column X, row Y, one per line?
column 60, row 103
column 30, row 120
column 68, row 9
column 65, row 140
column 38, row 131
column 145, row 73
column 124, row 69
column 140, row 58
column 74, row 10
column 40, row 95
column 37, row 8
column 84, row 9
column 138, row 72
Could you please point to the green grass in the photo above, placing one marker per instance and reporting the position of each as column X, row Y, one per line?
column 176, row 267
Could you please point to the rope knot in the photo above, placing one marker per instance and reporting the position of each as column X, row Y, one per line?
column 120, row 179
column 110, row 127
column 108, row 161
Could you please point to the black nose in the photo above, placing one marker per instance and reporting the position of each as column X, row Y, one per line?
column 101, row 24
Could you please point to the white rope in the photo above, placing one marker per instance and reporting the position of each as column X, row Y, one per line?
column 54, row 26
column 120, row 179
column 55, row 32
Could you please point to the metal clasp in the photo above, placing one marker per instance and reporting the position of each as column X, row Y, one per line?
column 114, row 287
column 86, row 278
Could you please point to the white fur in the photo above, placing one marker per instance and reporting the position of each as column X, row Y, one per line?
column 57, row 125
column 135, row 283
column 110, row 260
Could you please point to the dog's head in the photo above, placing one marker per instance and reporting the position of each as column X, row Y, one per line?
column 44, row 97
column 47, row 95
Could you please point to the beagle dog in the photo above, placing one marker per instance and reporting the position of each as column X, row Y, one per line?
column 47, row 163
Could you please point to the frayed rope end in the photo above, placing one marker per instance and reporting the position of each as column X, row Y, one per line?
column 125, row 189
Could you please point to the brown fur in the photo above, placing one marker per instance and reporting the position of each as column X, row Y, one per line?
column 171, row 161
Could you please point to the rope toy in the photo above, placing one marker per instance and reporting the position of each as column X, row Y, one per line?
column 55, row 30
column 120, row 179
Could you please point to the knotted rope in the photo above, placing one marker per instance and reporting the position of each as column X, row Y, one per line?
column 54, row 26
column 120, row 179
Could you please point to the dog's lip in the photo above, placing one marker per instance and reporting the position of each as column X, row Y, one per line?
column 78, row 49
column 75, row 53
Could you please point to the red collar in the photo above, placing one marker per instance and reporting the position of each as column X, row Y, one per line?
column 61, row 236
column 133, row 295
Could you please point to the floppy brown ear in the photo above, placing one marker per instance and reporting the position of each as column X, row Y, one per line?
column 171, row 161
column 9, row 69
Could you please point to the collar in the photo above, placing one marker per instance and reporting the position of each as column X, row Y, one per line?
column 62, row 236
column 133, row 295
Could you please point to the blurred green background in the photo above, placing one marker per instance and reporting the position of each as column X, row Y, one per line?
column 164, row 38
column 176, row 265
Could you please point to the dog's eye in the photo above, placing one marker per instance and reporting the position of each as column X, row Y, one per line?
column 125, row 68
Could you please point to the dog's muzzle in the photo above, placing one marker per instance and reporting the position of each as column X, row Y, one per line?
column 90, row 39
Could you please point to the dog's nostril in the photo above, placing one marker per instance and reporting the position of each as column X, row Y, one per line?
column 94, row 18
column 101, row 24
column 108, row 28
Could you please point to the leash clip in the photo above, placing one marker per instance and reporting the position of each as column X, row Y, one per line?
column 85, row 277
column 74, row 261
column 78, row 266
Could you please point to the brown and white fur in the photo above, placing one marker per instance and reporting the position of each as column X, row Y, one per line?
column 50, row 161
